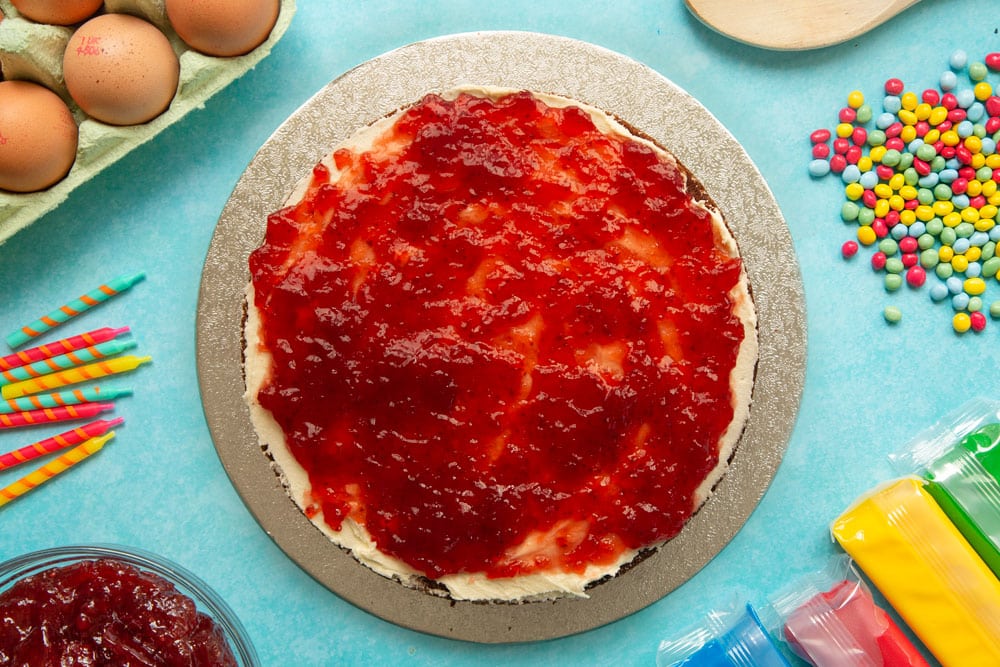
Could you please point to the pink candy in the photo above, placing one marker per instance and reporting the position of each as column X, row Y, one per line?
column 878, row 260
column 820, row 136
column 908, row 244
column 993, row 61
column 977, row 320
column 916, row 276
column 849, row 249
column 893, row 86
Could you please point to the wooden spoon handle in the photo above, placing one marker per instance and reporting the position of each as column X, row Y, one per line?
column 795, row 24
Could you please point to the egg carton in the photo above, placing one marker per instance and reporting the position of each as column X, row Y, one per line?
column 34, row 51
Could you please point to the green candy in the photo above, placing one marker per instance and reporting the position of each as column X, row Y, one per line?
column 979, row 131
column 910, row 175
column 977, row 71
column 877, row 138
column 866, row 216
column 849, row 211
column 944, row 270
column 888, row 246
column 892, row 314
column 926, row 152
column 935, row 225
column 864, row 114
column 991, row 267
column 892, row 157
column 984, row 174
column 965, row 230
column 948, row 235
column 942, row 192
column 938, row 163
column 893, row 281
column 929, row 258
column 905, row 161
column 989, row 250
column 975, row 304
column 894, row 265
column 925, row 196
column 995, row 310
column 926, row 241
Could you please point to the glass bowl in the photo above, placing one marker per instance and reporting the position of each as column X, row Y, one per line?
column 206, row 600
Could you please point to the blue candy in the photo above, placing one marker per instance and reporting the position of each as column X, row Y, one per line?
column 851, row 174
column 974, row 270
column 960, row 246
column 916, row 229
column 958, row 60
column 965, row 129
column 960, row 301
column 939, row 292
column 975, row 111
column 819, row 168
column 948, row 175
column 948, row 81
column 965, row 97
column 954, row 285
column 884, row 121
column 869, row 180
column 892, row 104
column 979, row 239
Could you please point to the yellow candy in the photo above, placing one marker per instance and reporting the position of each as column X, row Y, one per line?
column 984, row 224
column 982, row 91
column 953, row 219
column 959, row 263
column 897, row 203
column 943, row 208
column 950, row 138
column 973, row 254
column 938, row 115
column 961, row 323
column 907, row 217
column 994, row 198
column 932, row 136
column 881, row 208
column 908, row 117
column 974, row 286
column 970, row 214
column 844, row 130
column 989, row 188
column 877, row 153
column 897, row 181
column 909, row 101
column 945, row 253
column 914, row 555
column 924, row 213
column 923, row 111
column 854, row 191
column 866, row 235
column 908, row 192
column 865, row 163
column 908, row 133
column 973, row 143
column 883, row 190
column 988, row 211
column 993, row 161
column 974, row 188
column 855, row 99
column 978, row 159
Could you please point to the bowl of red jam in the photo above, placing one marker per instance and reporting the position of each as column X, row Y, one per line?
column 112, row 605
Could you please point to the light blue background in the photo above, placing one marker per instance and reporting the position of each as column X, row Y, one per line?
column 160, row 486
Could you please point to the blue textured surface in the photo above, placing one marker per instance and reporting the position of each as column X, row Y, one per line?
column 160, row 486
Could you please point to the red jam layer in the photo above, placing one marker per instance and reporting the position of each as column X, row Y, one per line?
column 105, row 612
column 499, row 321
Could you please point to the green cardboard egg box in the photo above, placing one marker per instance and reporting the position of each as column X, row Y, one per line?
column 34, row 51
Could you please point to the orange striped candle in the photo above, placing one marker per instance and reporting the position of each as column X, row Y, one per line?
column 57, row 442
column 72, row 309
column 58, row 399
column 77, row 342
column 52, row 415
column 70, row 376
column 53, row 468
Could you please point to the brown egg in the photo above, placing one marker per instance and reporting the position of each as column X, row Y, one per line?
column 38, row 137
column 57, row 12
column 120, row 69
column 223, row 27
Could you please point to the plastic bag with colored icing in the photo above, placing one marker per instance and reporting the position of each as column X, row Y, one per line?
column 830, row 619
column 725, row 638
column 912, row 553
column 960, row 459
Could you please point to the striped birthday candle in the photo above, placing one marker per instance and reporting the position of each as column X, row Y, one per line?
column 63, row 346
column 52, row 468
column 72, row 309
column 76, row 375
column 58, row 442
column 60, row 399
column 52, row 415
column 62, row 362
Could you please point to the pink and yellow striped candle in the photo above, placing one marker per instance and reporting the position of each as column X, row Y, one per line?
column 64, row 346
column 53, row 468
column 70, row 376
column 58, row 442
column 53, row 415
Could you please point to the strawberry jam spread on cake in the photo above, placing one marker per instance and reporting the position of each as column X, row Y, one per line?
column 497, row 343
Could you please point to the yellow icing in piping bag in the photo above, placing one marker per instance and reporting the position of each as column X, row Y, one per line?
column 928, row 572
